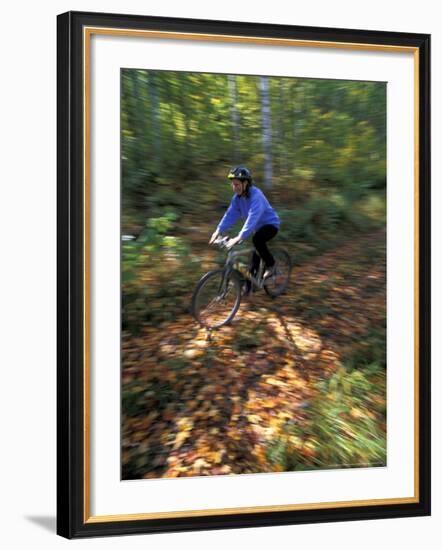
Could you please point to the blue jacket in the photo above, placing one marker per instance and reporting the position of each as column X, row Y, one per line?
column 255, row 209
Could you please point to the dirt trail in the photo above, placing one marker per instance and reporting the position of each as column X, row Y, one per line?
column 194, row 406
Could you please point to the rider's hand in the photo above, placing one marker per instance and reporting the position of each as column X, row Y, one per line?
column 214, row 236
column 232, row 242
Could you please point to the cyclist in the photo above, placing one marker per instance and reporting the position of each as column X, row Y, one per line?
column 261, row 220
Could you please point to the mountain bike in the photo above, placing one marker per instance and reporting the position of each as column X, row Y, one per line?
column 217, row 296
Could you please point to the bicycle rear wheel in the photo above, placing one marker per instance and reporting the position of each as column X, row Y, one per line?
column 278, row 282
column 216, row 298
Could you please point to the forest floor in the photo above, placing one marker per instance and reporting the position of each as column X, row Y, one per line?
column 199, row 406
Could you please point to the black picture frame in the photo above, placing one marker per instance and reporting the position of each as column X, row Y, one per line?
column 72, row 392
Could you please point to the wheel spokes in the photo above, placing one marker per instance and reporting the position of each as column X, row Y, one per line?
column 215, row 301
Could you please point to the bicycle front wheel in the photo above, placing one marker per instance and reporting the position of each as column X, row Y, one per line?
column 278, row 282
column 216, row 298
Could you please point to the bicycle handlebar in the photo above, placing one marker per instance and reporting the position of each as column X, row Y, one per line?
column 222, row 241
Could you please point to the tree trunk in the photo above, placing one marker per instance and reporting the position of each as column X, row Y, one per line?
column 266, row 131
column 186, row 110
column 298, row 102
column 236, row 152
column 281, row 130
column 152, row 83
column 138, row 127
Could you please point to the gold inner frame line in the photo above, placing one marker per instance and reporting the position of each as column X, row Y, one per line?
column 87, row 33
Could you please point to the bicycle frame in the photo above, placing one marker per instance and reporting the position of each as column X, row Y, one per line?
column 232, row 258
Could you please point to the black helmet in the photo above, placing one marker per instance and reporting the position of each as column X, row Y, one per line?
column 240, row 173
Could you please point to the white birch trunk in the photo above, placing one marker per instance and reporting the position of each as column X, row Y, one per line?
column 235, row 117
column 266, row 131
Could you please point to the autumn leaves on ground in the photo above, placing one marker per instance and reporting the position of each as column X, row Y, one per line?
column 294, row 383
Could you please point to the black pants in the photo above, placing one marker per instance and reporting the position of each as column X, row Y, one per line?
column 260, row 239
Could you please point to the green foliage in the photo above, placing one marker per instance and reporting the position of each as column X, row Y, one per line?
column 370, row 352
column 344, row 425
column 367, row 212
column 156, row 272
column 310, row 221
column 320, row 222
column 278, row 453
column 181, row 129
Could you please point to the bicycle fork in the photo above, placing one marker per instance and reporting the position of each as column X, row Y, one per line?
column 224, row 284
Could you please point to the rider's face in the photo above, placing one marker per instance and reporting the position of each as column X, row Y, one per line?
column 238, row 186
